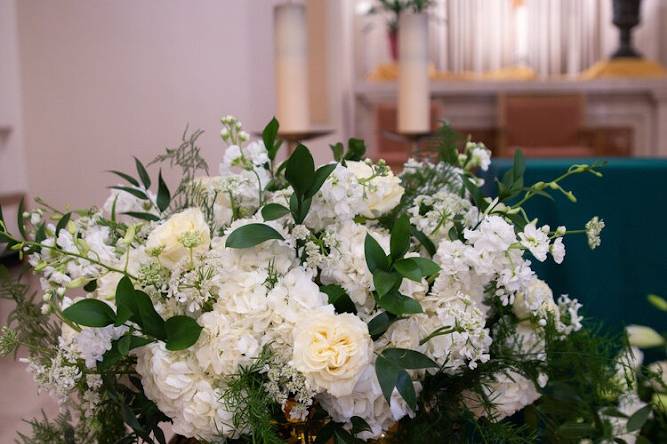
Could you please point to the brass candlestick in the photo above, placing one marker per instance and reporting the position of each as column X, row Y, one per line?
column 294, row 138
column 415, row 140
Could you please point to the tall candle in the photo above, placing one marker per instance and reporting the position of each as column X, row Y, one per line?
column 413, row 83
column 291, row 67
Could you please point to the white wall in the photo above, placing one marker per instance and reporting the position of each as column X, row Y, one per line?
column 104, row 80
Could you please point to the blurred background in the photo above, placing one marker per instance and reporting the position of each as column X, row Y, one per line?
column 85, row 85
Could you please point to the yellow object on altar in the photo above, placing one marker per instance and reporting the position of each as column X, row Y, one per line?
column 389, row 71
column 624, row 67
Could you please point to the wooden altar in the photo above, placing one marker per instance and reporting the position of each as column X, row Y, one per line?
column 629, row 110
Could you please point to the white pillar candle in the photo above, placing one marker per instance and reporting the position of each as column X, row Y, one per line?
column 291, row 67
column 413, row 88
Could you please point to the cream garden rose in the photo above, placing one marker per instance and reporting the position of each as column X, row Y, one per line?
column 178, row 235
column 381, row 194
column 332, row 351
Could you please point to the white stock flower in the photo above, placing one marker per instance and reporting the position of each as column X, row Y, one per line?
column 168, row 237
column 536, row 240
column 332, row 351
column 593, row 229
column 557, row 250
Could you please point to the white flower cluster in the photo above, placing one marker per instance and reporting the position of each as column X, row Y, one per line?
column 271, row 297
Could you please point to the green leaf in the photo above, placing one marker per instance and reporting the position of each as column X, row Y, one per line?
column 269, row 135
column 182, row 332
column 337, row 151
column 90, row 286
column 127, row 177
column 19, row 217
column 399, row 304
column 387, row 373
column 40, row 235
column 409, row 269
column 143, row 174
column 133, row 191
column 379, row 324
column 2, row 216
column 356, row 148
column 123, row 345
column 638, row 418
column 151, row 322
column 250, row 235
column 143, row 216
column 163, row 195
column 573, row 430
column 125, row 301
column 400, row 237
column 320, row 176
column 657, row 302
column 406, row 389
column 423, row 239
column 385, row 281
column 274, row 211
column 359, row 425
column 299, row 214
column 376, row 259
column 90, row 313
column 139, row 341
column 339, row 298
column 62, row 223
column 300, row 170
column 427, row 266
column 409, row 359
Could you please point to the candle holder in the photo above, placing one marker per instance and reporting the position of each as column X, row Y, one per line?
column 415, row 140
column 294, row 138
column 626, row 16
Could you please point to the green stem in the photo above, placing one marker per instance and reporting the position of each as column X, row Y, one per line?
column 93, row 261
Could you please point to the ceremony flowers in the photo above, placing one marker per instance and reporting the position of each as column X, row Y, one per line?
column 276, row 299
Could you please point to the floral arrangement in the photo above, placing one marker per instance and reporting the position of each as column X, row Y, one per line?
column 278, row 300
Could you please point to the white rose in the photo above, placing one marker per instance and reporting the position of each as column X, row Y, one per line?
column 381, row 194
column 332, row 351
column 169, row 237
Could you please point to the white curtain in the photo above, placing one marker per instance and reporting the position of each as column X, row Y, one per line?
column 553, row 37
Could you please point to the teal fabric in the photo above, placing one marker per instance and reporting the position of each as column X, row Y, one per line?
column 613, row 280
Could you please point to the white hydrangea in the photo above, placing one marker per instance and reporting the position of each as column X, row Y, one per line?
column 509, row 392
column 367, row 402
column 346, row 264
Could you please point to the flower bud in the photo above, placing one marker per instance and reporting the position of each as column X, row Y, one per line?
column 643, row 337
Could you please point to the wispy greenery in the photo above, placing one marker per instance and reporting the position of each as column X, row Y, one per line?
column 253, row 409
column 187, row 156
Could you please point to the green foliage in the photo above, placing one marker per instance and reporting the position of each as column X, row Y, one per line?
column 274, row 211
column 36, row 331
column 163, row 194
column 270, row 139
column 391, row 366
column 250, row 235
column 182, row 332
column 143, row 174
column 90, row 313
column 356, row 148
column 252, row 407
column 187, row 156
column 300, row 173
column 339, row 298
